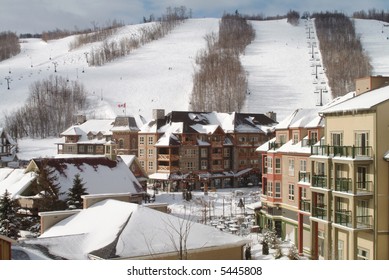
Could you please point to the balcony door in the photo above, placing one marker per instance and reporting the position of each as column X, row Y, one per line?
column 361, row 143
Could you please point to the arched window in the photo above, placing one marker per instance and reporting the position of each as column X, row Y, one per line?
column 121, row 143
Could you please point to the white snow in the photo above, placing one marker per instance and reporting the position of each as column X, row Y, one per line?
column 278, row 63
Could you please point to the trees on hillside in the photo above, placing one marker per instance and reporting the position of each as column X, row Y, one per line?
column 9, row 45
column 49, row 109
column 342, row 52
column 220, row 84
column 112, row 49
column 9, row 222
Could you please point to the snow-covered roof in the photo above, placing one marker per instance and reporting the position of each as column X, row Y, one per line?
column 126, row 230
column 90, row 126
column 100, row 175
column 362, row 102
column 15, row 181
column 297, row 148
column 300, row 118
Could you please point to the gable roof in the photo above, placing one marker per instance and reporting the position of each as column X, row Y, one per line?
column 100, row 174
column 141, row 231
column 15, row 181
column 362, row 102
column 229, row 122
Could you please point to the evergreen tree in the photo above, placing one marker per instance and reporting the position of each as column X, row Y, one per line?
column 9, row 222
column 49, row 189
column 74, row 200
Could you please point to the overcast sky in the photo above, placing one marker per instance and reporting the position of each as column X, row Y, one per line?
column 35, row 16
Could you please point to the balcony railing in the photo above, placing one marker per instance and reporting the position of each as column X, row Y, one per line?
column 305, row 205
column 308, row 142
column 343, row 185
column 341, row 151
column 364, row 221
column 304, row 176
column 320, row 212
column 168, row 157
column 274, row 145
column 343, row 217
column 319, row 181
column 364, row 187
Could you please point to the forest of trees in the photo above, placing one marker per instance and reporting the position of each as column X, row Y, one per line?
column 220, row 84
column 111, row 49
column 342, row 52
column 372, row 14
column 49, row 109
column 9, row 45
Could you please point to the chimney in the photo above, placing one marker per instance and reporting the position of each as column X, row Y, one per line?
column 80, row 119
column 158, row 114
column 272, row 115
column 366, row 84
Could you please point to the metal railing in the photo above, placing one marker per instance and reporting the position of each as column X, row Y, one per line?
column 319, row 181
column 320, row 212
column 341, row 151
column 343, row 217
column 343, row 185
column 304, row 176
column 305, row 205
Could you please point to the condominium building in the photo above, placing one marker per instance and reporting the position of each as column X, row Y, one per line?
column 286, row 177
column 205, row 149
column 349, row 186
column 329, row 192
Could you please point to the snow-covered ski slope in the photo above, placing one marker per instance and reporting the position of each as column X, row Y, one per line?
column 281, row 69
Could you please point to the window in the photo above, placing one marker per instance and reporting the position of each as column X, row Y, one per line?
column 190, row 165
column 227, row 152
column 320, row 168
column 151, row 165
column 303, row 165
column 295, row 137
column 90, row 149
column 142, row 163
column 204, row 165
column 269, row 165
column 291, row 192
column 313, row 137
column 150, row 140
column 81, row 149
column 340, row 249
column 270, row 188
column 362, row 181
column 363, row 254
column 336, row 139
column 226, row 164
column 204, row 152
column 141, row 140
column 133, row 143
column 363, row 218
column 121, row 144
column 277, row 190
column 150, row 152
column 282, row 139
column 291, row 167
column 278, row 165
column 361, row 143
column 242, row 139
column 141, row 152
column 303, row 193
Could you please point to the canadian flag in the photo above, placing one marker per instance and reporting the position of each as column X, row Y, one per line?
column 122, row 105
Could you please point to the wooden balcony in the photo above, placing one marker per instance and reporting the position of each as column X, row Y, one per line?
column 168, row 157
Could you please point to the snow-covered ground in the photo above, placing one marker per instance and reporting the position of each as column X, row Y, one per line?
column 210, row 209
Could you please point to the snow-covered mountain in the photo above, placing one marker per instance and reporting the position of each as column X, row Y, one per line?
column 280, row 66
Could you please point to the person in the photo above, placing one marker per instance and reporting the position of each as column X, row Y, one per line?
column 248, row 253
